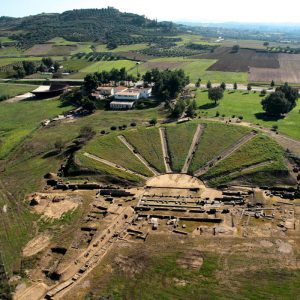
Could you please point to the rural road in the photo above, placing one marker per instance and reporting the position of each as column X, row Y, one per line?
column 240, row 87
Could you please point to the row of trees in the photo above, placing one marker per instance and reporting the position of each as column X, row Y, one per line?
column 92, row 81
column 26, row 68
column 167, row 84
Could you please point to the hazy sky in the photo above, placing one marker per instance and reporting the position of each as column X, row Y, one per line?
column 192, row 10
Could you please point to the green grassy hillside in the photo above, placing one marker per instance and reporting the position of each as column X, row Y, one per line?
column 113, row 150
column 215, row 139
column 179, row 138
column 148, row 144
column 258, row 150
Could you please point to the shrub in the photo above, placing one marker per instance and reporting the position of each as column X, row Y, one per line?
column 133, row 124
column 113, row 128
column 103, row 131
column 263, row 93
column 153, row 121
column 87, row 132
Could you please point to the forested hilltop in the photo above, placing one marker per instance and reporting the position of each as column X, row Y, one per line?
column 107, row 25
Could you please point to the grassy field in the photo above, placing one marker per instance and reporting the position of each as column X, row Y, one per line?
column 255, row 44
column 75, row 64
column 10, row 51
column 21, row 118
column 179, row 139
column 122, row 48
column 10, row 60
column 60, row 41
column 215, row 139
column 151, row 271
column 104, row 66
column 113, row 150
column 196, row 39
column 260, row 149
column 249, row 106
column 147, row 143
column 105, row 169
column 11, row 90
column 5, row 39
column 195, row 68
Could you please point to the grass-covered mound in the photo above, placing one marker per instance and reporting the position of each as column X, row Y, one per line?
column 179, row 139
column 104, row 170
column 147, row 142
column 261, row 154
column 215, row 139
column 112, row 149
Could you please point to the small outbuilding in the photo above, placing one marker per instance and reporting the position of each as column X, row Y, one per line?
column 121, row 105
column 55, row 89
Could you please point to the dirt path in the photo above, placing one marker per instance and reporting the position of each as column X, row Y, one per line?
column 138, row 155
column 106, row 162
column 36, row 245
column 225, row 154
column 194, row 145
column 164, row 144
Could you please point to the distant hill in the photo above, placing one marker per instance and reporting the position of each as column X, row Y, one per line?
column 107, row 25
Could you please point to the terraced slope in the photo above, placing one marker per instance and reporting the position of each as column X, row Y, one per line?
column 259, row 154
column 179, row 139
column 112, row 149
column 147, row 143
column 216, row 138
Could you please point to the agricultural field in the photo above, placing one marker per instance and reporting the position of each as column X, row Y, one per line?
column 179, row 139
column 255, row 44
column 112, row 149
column 215, row 139
column 288, row 71
column 50, row 50
column 10, row 51
column 248, row 105
column 261, row 149
column 148, row 144
column 194, row 68
column 75, row 64
column 104, row 66
column 195, row 39
column 122, row 48
column 240, row 61
column 60, row 41
column 14, row 129
column 11, row 60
